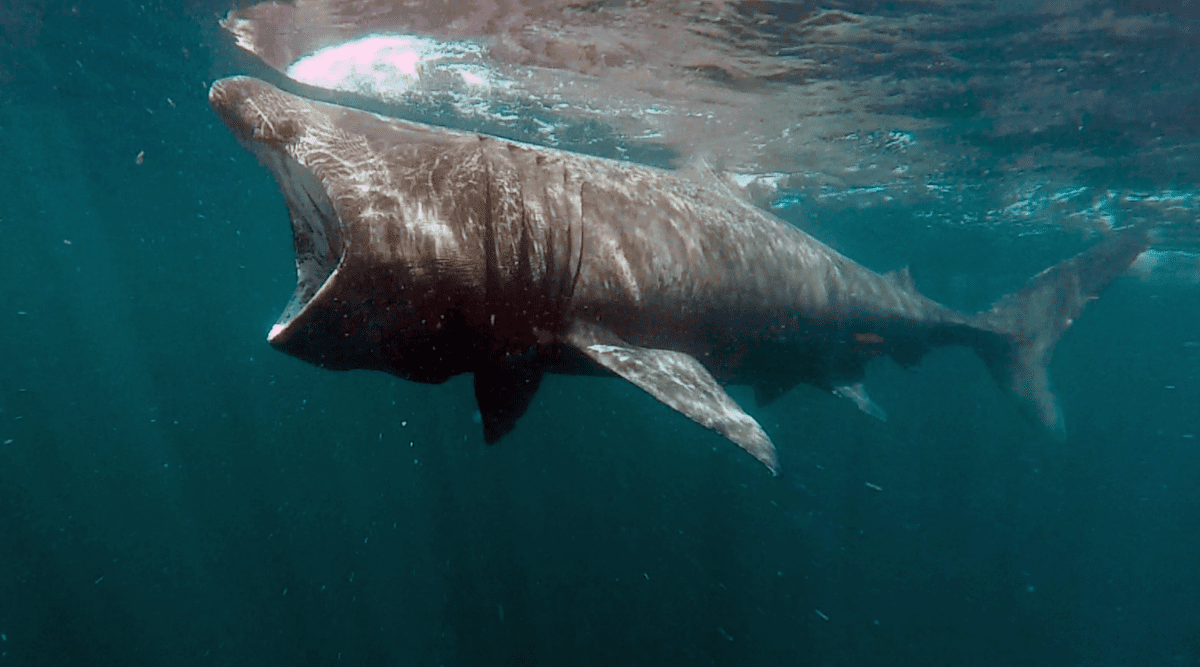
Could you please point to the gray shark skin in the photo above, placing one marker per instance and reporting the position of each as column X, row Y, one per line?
column 427, row 253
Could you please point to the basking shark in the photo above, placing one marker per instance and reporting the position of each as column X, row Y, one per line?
column 426, row 253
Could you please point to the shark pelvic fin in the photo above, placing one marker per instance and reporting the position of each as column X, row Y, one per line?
column 857, row 393
column 679, row 381
column 768, row 391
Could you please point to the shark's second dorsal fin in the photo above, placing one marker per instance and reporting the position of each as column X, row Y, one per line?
column 680, row 382
column 902, row 278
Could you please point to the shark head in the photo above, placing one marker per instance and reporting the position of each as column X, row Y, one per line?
column 269, row 124
column 386, row 256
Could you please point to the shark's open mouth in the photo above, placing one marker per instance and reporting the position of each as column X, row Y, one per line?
column 316, row 231
column 267, row 122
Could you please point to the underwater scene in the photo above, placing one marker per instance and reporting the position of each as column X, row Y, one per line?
column 570, row 332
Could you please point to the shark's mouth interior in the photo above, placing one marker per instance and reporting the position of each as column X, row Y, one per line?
column 316, row 231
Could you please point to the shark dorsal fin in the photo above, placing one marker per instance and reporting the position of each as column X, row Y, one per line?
column 679, row 381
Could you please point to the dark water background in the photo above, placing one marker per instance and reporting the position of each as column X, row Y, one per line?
column 172, row 491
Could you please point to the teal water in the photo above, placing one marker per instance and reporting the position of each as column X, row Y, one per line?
column 173, row 491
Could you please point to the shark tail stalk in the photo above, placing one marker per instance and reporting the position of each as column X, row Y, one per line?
column 1031, row 320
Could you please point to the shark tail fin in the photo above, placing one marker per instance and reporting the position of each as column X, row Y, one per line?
column 1031, row 321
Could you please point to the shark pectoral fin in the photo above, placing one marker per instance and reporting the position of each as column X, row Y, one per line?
column 679, row 381
column 503, row 394
column 857, row 393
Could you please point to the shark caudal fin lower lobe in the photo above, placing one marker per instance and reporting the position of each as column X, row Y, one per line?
column 1031, row 320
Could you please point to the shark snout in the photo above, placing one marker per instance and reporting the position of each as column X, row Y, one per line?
column 254, row 110
column 268, row 122
column 228, row 98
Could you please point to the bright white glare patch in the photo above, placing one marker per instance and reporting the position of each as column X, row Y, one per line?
column 473, row 75
column 388, row 66
column 1168, row 267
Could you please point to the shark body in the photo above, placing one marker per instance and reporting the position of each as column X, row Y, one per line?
column 427, row 253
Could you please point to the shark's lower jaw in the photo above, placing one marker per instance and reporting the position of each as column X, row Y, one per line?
column 316, row 232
